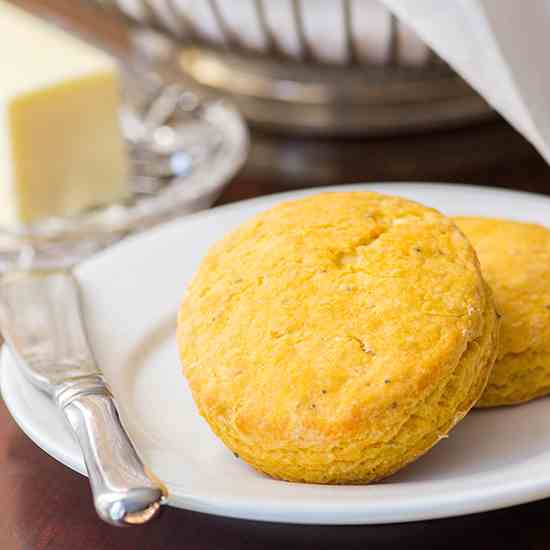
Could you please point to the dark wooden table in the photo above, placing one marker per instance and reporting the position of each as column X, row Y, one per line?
column 44, row 505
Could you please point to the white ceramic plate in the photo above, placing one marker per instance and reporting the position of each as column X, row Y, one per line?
column 131, row 293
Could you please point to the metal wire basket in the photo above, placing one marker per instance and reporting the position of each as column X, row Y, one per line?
column 323, row 66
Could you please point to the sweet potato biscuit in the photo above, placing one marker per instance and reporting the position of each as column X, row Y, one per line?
column 336, row 338
column 515, row 260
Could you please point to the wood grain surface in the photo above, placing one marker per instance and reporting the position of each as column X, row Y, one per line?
column 45, row 506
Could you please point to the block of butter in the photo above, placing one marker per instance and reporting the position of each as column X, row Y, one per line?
column 61, row 149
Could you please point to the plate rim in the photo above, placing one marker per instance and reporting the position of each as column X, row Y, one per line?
column 297, row 193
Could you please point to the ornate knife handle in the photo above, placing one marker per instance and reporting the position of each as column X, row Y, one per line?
column 123, row 493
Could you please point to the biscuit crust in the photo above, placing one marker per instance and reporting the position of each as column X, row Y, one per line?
column 515, row 260
column 336, row 338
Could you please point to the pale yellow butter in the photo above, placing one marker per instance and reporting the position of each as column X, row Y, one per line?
column 61, row 149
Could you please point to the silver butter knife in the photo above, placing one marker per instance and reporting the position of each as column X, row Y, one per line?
column 40, row 319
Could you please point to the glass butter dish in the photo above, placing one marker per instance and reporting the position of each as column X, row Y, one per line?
column 183, row 148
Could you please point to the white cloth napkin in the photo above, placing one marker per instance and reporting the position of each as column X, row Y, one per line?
column 501, row 47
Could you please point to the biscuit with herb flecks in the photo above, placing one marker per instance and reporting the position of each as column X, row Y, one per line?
column 336, row 338
column 515, row 260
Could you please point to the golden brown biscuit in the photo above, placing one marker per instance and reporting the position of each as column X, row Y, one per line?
column 336, row 338
column 515, row 260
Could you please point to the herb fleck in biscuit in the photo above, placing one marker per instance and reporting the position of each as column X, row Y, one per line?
column 515, row 260
column 336, row 338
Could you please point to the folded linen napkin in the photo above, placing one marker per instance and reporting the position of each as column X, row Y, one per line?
column 501, row 47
